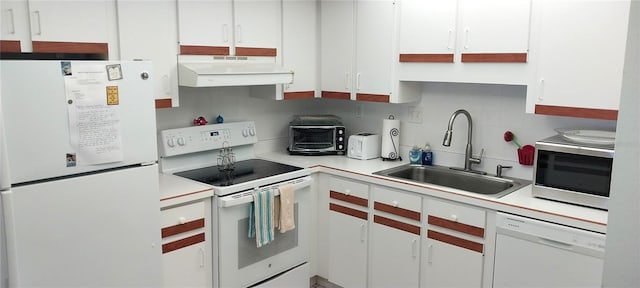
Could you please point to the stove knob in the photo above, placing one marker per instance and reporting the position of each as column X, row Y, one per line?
column 252, row 132
column 340, row 147
column 171, row 142
column 181, row 141
column 245, row 132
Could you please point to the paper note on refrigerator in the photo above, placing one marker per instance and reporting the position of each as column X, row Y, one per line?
column 94, row 119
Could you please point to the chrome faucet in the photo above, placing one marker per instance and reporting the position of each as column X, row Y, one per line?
column 468, row 156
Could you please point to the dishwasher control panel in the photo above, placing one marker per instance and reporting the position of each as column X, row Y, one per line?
column 549, row 233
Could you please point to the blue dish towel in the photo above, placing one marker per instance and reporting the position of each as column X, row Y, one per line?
column 261, row 217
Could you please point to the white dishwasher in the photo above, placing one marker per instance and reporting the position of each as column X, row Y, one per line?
column 534, row 253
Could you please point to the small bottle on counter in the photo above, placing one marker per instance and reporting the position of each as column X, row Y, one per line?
column 427, row 155
column 415, row 155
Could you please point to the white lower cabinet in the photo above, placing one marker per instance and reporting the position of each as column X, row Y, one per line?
column 348, row 228
column 395, row 239
column 385, row 237
column 453, row 247
column 186, row 245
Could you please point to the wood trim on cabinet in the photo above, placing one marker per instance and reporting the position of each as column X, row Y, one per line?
column 604, row 114
column 181, row 228
column 70, row 47
column 204, row 50
column 178, row 244
column 464, row 243
column 252, row 51
column 349, row 198
column 426, row 58
column 299, row 95
column 336, row 95
column 10, row 46
column 348, row 211
column 396, row 224
column 406, row 213
column 372, row 97
column 494, row 57
column 163, row 103
column 457, row 226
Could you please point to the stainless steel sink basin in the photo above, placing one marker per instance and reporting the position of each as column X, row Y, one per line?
column 467, row 181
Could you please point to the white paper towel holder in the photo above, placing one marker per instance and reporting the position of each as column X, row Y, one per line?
column 394, row 132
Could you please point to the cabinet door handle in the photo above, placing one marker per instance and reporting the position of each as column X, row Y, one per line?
column 449, row 40
column 414, row 248
column 466, row 38
column 346, row 81
column 362, row 233
column 225, row 33
column 238, row 34
column 37, row 19
column 13, row 22
column 541, row 90
column 358, row 81
column 201, row 252
column 430, row 254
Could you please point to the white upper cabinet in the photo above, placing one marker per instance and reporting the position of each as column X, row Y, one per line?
column 299, row 46
column 225, row 27
column 470, row 41
column 160, row 48
column 15, row 31
column 258, row 24
column 581, row 50
column 337, row 37
column 494, row 26
column 55, row 26
column 374, row 50
column 358, row 52
column 205, row 24
column 428, row 27
column 437, row 30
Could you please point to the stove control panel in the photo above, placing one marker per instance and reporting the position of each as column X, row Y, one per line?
column 206, row 137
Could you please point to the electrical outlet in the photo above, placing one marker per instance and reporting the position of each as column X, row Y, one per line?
column 415, row 114
column 359, row 110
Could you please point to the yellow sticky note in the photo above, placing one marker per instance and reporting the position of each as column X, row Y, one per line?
column 112, row 95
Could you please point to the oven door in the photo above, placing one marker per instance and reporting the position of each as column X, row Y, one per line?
column 312, row 139
column 240, row 262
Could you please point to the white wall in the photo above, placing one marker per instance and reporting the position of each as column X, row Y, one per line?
column 494, row 110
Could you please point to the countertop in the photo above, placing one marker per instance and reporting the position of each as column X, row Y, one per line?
column 519, row 202
column 175, row 190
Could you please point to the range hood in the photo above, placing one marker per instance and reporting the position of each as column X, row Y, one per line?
column 232, row 71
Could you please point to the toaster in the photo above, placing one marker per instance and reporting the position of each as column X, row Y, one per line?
column 364, row 146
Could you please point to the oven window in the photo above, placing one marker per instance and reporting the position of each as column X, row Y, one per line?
column 580, row 173
column 249, row 254
column 313, row 138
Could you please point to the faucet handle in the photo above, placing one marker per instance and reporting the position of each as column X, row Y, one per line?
column 475, row 160
column 499, row 169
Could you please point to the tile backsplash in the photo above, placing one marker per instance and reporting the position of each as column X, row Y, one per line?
column 494, row 109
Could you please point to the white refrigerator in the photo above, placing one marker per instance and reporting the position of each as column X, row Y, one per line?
column 78, row 175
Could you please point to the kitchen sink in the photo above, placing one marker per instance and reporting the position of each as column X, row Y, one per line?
column 462, row 180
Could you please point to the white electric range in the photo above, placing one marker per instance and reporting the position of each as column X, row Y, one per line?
column 222, row 155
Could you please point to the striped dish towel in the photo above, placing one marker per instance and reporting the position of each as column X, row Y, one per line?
column 261, row 217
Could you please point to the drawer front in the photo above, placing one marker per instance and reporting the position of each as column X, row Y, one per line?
column 389, row 198
column 349, row 188
column 456, row 213
column 183, row 214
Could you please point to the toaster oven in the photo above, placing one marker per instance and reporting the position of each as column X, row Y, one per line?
column 316, row 140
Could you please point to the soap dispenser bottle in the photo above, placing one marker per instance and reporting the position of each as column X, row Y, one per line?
column 427, row 155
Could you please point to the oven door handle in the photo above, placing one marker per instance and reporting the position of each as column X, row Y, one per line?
column 247, row 196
